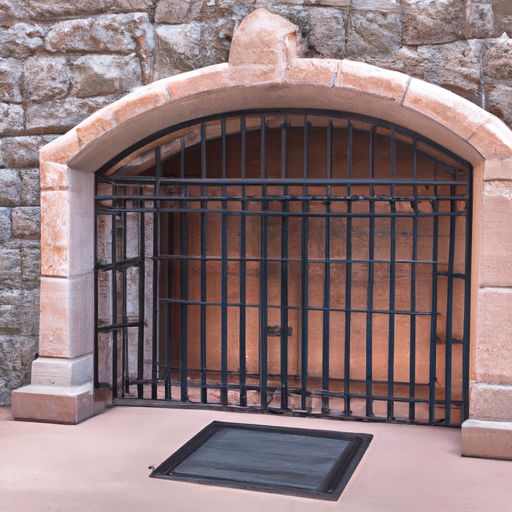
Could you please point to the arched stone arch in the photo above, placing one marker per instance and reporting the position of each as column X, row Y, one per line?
column 264, row 70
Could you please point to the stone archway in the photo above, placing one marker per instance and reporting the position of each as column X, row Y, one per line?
column 264, row 71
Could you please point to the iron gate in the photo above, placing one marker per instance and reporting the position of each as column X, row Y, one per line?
column 311, row 262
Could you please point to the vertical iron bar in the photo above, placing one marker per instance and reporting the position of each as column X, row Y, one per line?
column 142, row 297
column 168, row 311
column 467, row 300
column 327, row 278
column 371, row 279
column 412, row 332
column 124, row 307
column 449, row 310
column 392, row 284
column 433, row 318
column 243, row 140
column 305, row 276
column 263, row 356
column 156, row 283
column 114, row 296
column 203, row 285
column 224, row 299
column 243, row 277
column 284, row 275
column 184, row 295
column 348, row 280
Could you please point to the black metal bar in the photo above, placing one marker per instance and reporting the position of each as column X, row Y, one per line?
column 263, row 349
column 348, row 281
column 304, row 278
column 392, row 285
column 124, row 308
column 156, row 283
column 203, row 286
column 243, row 300
column 327, row 279
column 412, row 318
column 449, row 316
column 371, row 279
column 169, row 334
column 141, row 301
column 433, row 318
column 224, row 300
column 184, row 298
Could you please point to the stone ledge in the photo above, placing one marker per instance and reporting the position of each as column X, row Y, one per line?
column 487, row 439
column 50, row 404
column 54, row 372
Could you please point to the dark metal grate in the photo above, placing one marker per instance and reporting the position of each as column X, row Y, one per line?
column 309, row 262
column 301, row 462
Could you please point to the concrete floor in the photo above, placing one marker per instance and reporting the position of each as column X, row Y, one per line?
column 102, row 465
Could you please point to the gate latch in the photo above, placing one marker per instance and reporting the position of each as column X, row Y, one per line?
column 275, row 331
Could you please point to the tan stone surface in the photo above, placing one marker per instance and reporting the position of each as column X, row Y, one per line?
column 318, row 71
column 51, row 404
column 493, row 139
column 498, row 170
column 95, row 125
column 139, row 102
column 491, row 402
column 67, row 317
column 370, row 79
column 197, row 81
column 62, row 149
column 445, row 107
column 102, row 464
column 59, row 372
column 53, row 176
column 264, row 39
column 54, row 233
column 493, row 357
column 496, row 237
column 487, row 439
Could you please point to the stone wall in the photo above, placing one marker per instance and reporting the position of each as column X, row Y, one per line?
column 61, row 60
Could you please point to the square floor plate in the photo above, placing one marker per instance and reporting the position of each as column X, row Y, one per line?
column 300, row 462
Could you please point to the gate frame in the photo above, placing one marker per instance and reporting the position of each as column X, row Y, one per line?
column 264, row 71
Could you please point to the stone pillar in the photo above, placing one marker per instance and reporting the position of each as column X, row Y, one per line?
column 61, row 389
column 488, row 432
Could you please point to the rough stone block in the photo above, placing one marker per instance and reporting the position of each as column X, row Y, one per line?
column 16, row 354
column 497, row 61
column 479, row 19
column 5, row 224
column 106, row 33
column 487, row 439
column 67, row 316
column 21, row 40
column 11, row 119
column 493, row 355
column 10, row 187
column 373, row 35
column 29, row 187
column 49, row 10
column 498, row 101
column 10, row 73
column 22, row 151
column 376, row 5
column 45, row 78
column 30, row 265
column 52, row 404
column 26, row 223
column 98, row 75
column 502, row 17
column 327, row 32
column 169, row 11
column 63, row 114
column 432, row 21
column 128, row 5
column 10, row 269
column 21, row 318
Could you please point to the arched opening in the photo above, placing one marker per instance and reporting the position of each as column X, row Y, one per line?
column 290, row 260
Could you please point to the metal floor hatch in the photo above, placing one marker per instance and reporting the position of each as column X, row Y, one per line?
column 301, row 462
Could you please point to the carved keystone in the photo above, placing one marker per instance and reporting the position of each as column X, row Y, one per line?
column 264, row 39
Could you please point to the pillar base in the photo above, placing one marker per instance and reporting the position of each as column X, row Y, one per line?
column 487, row 439
column 53, row 404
